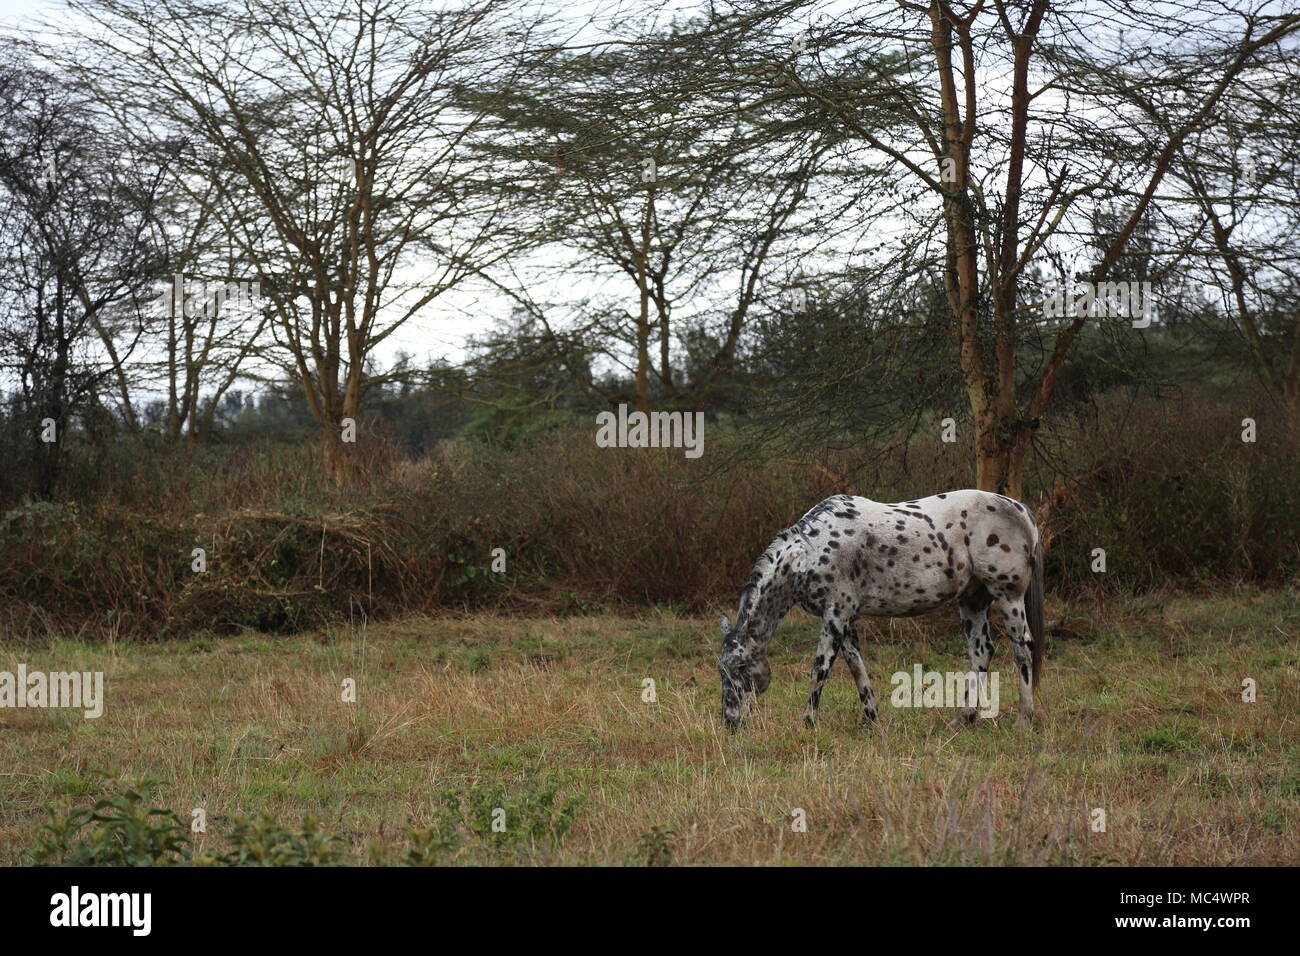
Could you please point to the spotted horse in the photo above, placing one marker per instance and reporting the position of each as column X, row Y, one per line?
column 850, row 556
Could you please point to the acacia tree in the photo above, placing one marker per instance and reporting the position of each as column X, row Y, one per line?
column 684, row 214
column 325, row 138
column 208, row 333
column 1244, row 180
column 1017, row 116
column 79, row 245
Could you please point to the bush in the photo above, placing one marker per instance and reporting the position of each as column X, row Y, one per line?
column 585, row 527
column 1198, row 506
column 264, row 842
column 124, row 829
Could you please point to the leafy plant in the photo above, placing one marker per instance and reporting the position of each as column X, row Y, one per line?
column 432, row 844
column 125, row 829
column 529, row 814
column 128, row 829
column 655, row 848
column 264, row 842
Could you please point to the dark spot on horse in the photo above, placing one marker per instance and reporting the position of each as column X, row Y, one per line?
column 993, row 539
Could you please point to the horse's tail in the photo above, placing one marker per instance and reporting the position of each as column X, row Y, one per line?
column 1034, row 611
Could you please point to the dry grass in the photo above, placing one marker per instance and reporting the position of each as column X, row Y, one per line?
column 1145, row 721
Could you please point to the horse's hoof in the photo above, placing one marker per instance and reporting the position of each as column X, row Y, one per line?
column 809, row 722
column 959, row 722
column 1022, row 721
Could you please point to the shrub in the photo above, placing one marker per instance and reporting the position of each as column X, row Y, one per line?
column 124, row 829
column 264, row 842
column 586, row 527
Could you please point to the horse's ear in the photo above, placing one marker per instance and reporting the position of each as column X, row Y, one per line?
column 726, row 626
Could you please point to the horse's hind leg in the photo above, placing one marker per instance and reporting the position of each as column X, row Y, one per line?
column 828, row 646
column 851, row 648
column 1013, row 618
column 973, row 607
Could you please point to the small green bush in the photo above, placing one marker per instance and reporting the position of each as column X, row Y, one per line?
column 264, row 842
column 125, row 829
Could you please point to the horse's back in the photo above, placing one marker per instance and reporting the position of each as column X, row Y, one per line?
column 907, row 557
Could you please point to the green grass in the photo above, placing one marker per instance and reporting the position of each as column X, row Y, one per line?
column 1141, row 715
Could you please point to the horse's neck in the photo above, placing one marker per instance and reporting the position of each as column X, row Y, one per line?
column 771, row 593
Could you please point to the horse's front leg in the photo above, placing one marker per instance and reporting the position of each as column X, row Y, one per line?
column 827, row 647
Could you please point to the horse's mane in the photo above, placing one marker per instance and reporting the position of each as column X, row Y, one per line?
column 795, row 542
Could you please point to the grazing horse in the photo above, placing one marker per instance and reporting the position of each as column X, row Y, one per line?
column 850, row 556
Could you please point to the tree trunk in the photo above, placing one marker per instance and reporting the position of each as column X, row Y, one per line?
column 643, row 318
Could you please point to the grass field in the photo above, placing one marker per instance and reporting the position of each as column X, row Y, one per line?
column 545, row 718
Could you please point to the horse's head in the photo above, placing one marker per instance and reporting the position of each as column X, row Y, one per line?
column 745, row 671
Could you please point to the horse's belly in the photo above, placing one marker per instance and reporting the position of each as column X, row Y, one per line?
column 909, row 593
column 902, row 609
